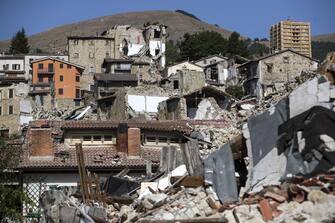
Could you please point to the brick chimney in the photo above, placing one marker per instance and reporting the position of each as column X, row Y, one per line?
column 134, row 141
column 41, row 144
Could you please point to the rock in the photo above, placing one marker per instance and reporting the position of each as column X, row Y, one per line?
column 167, row 216
column 147, row 204
column 317, row 196
column 98, row 214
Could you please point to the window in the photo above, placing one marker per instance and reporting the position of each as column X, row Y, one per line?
column 174, row 140
column 91, row 42
column 50, row 67
column 77, row 78
column 30, row 71
column 5, row 66
column 108, row 138
column 69, row 66
column 107, row 54
column 91, row 55
column 40, row 66
column 60, row 91
column 10, row 93
column 77, row 93
column 40, row 79
column 87, row 138
column 162, row 139
column 75, row 55
column 0, row 94
column 269, row 67
column 175, row 84
column 151, row 139
column 61, row 78
column 61, row 66
column 118, row 66
column 15, row 66
column 10, row 109
column 286, row 59
column 108, row 42
column 75, row 42
column 97, row 138
column 0, row 110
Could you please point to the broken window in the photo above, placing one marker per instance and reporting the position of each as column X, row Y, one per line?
column 286, row 59
column 4, row 133
column 269, row 67
column 157, row 33
column 157, row 51
column 176, row 84
column 10, row 110
column 10, row 93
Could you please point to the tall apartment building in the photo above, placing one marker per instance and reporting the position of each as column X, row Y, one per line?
column 291, row 35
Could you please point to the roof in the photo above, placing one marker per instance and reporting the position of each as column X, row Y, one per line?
column 59, row 60
column 89, row 37
column 112, row 60
column 115, row 77
column 208, row 88
column 215, row 55
column 97, row 158
column 12, row 57
column 275, row 54
column 167, row 125
column 185, row 61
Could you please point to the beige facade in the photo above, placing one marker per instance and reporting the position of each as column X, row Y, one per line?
column 291, row 35
column 90, row 52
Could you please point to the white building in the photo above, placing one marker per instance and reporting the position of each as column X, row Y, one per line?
column 171, row 70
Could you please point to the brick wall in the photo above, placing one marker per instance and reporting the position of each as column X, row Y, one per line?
column 41, row 144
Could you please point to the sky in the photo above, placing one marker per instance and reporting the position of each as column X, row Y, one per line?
column 251, row 18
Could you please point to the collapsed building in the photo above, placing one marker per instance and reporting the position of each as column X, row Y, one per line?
column 205, row 103
column 145, row 46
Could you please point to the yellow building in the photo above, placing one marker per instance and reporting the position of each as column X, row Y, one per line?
column 291, row 35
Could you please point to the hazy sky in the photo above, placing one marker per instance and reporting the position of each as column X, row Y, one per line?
column 251, row 18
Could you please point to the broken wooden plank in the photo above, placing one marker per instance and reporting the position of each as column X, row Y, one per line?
column 191, row 157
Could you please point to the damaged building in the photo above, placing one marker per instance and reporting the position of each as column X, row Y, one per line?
column 269, row 74
column 204, row 103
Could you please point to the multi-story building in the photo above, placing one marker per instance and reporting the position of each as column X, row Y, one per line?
column 58, row 78
column 291, row 35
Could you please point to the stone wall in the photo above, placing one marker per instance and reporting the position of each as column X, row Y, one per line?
column 190, row 81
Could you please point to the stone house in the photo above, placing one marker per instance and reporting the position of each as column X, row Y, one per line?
column 183, row 81
column 204, row 103
column 268, row 74
column 215, row 68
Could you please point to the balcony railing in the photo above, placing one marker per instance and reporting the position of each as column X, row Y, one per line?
column 46, row 71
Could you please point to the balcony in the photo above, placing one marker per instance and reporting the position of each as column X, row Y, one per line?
column 46, row 71
column 40, row 88
column 6, row 77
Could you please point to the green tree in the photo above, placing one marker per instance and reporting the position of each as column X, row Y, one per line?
column 171, row 53
column 201, row 44
column 236, row 46
column 19, row 43
column 11, row 196
column 258, row 49
column 236, row 91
